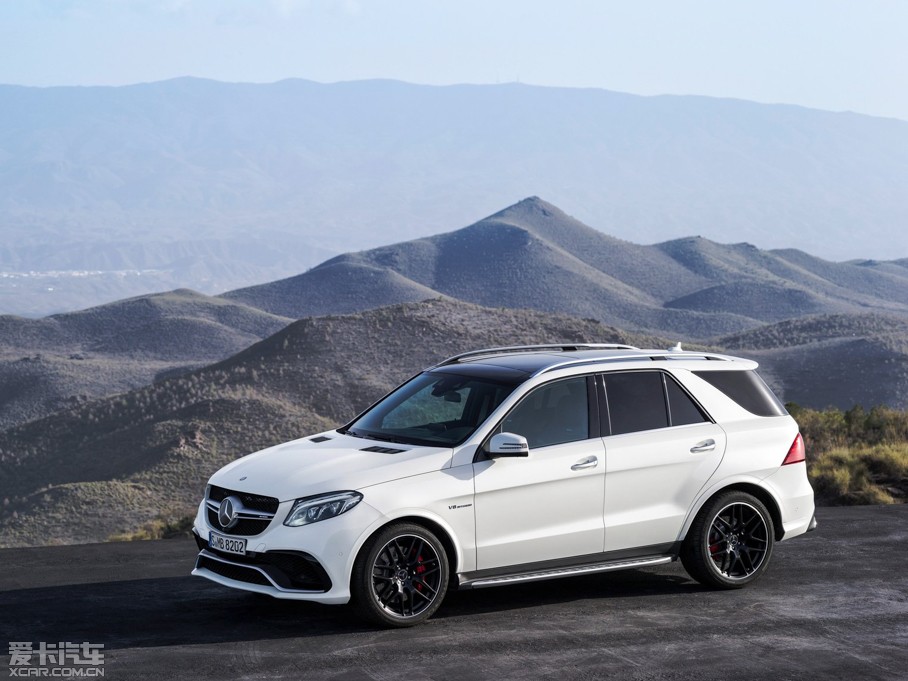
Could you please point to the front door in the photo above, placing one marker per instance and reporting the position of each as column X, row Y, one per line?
column 548, row 505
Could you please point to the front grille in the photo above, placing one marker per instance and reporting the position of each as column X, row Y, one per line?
column 257, row 513
column 243, row 528
column 290, row 570
column 251, row 501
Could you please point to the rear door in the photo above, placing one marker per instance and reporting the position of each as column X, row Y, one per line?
column 660, row 451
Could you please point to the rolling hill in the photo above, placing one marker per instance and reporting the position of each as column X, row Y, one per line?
column 109, row 465
column 113, row 191
column 831, row 360
column 50, row 363
column 533, row 255
column 528, row 256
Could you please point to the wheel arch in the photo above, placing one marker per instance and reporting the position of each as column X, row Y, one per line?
column 752, row 488
column 440, row 530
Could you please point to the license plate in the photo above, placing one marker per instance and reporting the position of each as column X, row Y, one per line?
column 227, row 544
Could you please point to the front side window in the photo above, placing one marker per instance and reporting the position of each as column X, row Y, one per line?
column 552, row 414
column 435, row 409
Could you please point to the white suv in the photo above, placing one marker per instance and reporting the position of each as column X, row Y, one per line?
column 517, row 464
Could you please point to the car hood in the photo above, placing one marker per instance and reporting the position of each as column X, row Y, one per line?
column 303, row 467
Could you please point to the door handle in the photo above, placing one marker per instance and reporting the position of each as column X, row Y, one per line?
column 705, row 446
column 588, row 462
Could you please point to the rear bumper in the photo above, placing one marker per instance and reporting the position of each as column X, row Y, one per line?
column 792, row 490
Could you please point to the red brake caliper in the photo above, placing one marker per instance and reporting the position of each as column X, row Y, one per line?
column 714, row 549
column 420, row 568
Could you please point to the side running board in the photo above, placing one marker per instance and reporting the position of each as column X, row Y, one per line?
column 555, row 573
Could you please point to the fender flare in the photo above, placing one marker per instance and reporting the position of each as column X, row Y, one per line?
column 414, row 515
column 736, row 481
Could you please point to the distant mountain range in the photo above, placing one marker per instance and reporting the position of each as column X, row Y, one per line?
column 825, row 318
column 110, row 192
column 533, row 255
column 117, row 414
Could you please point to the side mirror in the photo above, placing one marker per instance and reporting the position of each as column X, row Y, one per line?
column 508, row 444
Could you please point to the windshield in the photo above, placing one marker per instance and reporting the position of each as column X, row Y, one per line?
column 435, row 409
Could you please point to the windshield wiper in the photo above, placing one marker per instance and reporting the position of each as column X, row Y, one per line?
column 383, row 437
column 386, row 438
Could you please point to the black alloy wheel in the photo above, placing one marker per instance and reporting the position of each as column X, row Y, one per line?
column 400, row 576
column 730, row 542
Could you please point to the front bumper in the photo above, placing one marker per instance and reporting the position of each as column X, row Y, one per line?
column 289, row 571
column 308, row 563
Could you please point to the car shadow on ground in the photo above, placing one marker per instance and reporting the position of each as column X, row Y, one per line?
column 187, row 611
column 589, row 588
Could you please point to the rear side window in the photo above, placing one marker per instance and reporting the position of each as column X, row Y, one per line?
column 635, row 401
column 646, row 400
column 747, row 389
column 681, row 408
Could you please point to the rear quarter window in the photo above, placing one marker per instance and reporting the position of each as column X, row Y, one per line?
column 747, row 389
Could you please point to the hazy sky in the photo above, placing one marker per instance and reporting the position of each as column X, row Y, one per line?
column 829, row 54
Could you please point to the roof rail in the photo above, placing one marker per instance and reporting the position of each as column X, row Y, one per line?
column 513, row 349
column 652, row 356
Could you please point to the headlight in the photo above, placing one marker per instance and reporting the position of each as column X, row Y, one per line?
column 321, row 507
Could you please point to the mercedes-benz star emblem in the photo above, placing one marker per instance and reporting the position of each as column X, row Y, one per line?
column 228, row 512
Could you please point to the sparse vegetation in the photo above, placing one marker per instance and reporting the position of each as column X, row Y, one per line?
column 856, row 456
column 891, row 330
column 159, row 528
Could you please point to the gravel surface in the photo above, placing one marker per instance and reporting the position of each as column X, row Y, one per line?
column 833, row 605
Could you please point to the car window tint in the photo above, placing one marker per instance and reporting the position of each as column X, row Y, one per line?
column 681, row 407
column 747, row 389
column 552, row 414
column 636, row 401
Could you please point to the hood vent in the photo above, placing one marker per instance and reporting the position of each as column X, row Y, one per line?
column 382, row 450
column 320, row 438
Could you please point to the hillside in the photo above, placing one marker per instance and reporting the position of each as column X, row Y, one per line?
column 50, row 363
column 831, row 360
column 533, row 255
column 530, row 255
column 112, row 191
column 109, row 465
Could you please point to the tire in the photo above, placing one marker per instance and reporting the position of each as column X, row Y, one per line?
column 400, row 576
column 730, row 541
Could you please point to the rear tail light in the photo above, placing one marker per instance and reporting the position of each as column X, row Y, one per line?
column 796, row 452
